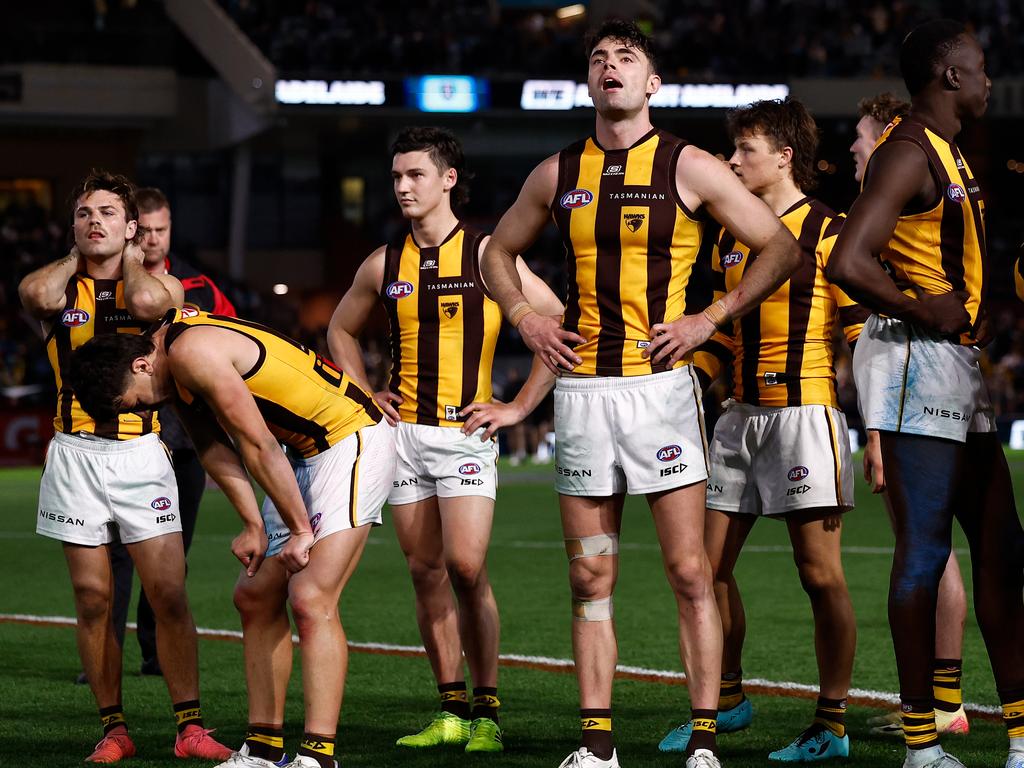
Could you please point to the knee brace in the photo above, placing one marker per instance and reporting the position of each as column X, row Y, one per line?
column 592, row 610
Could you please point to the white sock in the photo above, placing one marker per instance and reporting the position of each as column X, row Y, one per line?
column 916, row 758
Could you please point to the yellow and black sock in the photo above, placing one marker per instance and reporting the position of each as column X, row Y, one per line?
column 1013, row 712
column 318, row 747
column 946, row 684
column 188, row 713
column 485, row 703
column 831, row 713
column 597, row 732
column 730, row 691
column 704, row 725
column 919, row 724
column 112, row 717
column 454, row 699
column 265, row 741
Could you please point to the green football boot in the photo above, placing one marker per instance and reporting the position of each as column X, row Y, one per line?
column 484, row 736
column 443, row 730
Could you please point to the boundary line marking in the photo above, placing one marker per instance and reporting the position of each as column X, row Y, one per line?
column 860, row 696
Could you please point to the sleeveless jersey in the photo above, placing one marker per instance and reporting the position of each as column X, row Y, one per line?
column 92, row 308
column 630, row 245
column 307, row 402
column 943, row 248
column 781, row 352
column 443, row 327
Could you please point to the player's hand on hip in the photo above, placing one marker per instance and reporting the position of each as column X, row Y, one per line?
column 493, row 416
column 387, row 400
column 873, row 470
column 295, row 553
column 943, row 313
column 670, row 342
column 250, row 547
column 545, row 336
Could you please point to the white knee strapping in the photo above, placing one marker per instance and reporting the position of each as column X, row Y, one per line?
column 592, row 546
column 592, row 610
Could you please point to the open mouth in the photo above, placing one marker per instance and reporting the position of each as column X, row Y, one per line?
column 610, row 83
column 96, row 235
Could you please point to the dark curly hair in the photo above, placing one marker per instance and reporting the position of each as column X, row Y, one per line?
column 445, row 151
column 624, row 32
column 885, row 107
column 785, row 123
column 121, row 186
column 101, row 371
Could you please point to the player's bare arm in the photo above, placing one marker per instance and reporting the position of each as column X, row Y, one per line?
column 347, row 323
column 495, row 414
column 224, row 465
column 703, row 180
column 897, row 176
column 147, row 296
column 43, row 292
column 208, row 361
column 517, row 231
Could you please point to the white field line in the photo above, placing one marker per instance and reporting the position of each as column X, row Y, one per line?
column 546, row 663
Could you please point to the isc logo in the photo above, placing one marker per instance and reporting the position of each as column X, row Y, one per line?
column 72, row 318
column 162, row 503
column 732, row 259
column 956, row 193
column 400, row 289
column 576, row 198
column 469, row 468
column 797, row 473
column 669, row 453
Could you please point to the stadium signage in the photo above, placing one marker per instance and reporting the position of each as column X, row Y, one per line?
column 446, row 93
column 552, row 95
column 344, row 92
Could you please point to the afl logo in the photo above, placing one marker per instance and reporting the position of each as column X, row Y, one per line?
column 576, row 198
column 731, row 259
column 162, row 503
column 669, row 453
column 956, row 193
column 469, row 468
column 400, row 289
column 189, row 311
column 797, row 473
column 314, row 521
column 72, row 318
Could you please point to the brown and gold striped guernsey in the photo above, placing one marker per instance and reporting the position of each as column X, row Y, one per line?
column 307, row 402
column 92, row 308
column 782, row 352
column 1018, row 277
column 943, row 248
column 630, row 245
column 443, row 327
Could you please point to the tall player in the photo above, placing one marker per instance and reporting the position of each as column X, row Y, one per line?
column 239, row 388
column 630, row 203
column 190, row 477
column 951, row 609
column 919, row 382
column 105, row 472
column 443, row 331
column 781, row 449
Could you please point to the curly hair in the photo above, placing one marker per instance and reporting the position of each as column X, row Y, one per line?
column 101, row 371
column 885, row 107
column 785, row 123
column 121, row 186
column 624, row 32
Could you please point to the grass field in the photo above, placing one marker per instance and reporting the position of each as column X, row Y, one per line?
column 47, row 721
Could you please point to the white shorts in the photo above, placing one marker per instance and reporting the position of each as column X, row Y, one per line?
column 343, row 487
column 90, row 484
column 441, row 461
column 913, row 382
column 770, row 461
column 635, row 434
